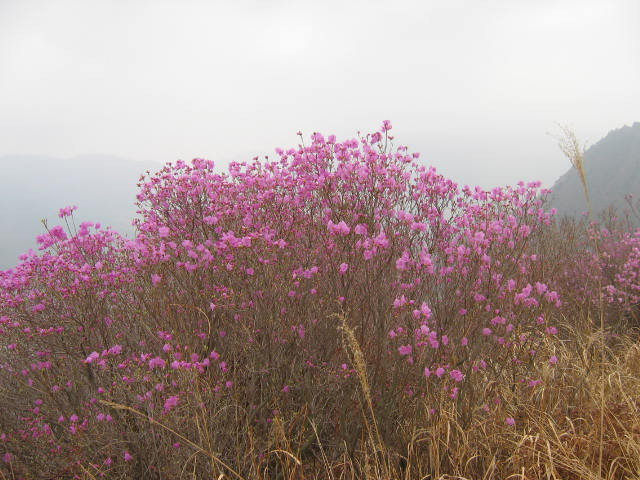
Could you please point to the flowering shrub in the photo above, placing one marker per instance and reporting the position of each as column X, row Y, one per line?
column 602, row 272
column 234, row 321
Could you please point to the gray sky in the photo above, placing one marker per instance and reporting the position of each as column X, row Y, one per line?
column 473, row 85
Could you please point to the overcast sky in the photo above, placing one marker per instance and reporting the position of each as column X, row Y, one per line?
column 473, row 85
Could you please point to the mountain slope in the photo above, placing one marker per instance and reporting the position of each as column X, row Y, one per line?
column 612, row 168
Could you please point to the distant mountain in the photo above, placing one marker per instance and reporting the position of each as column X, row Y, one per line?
column 36, row 187
column 612, row 169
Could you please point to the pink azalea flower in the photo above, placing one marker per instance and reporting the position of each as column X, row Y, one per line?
column 400, row 301
column 340, row 228
column 171, row 403
column 360, row 229
column 66, row 211
column 93, row 356
column 405, row 349
column 157, row 362
column 115, row 350
column 402, row 263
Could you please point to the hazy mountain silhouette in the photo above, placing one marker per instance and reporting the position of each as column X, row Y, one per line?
column 36, row 187
column 612, row 168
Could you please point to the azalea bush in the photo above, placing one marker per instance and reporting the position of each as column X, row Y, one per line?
column 597, row 269
column 290, row 312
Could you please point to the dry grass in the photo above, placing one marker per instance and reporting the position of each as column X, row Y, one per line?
column 558, row 432
column 574, row 151
column 581, row 422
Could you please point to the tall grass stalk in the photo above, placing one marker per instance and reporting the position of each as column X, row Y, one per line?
column 574, row 151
